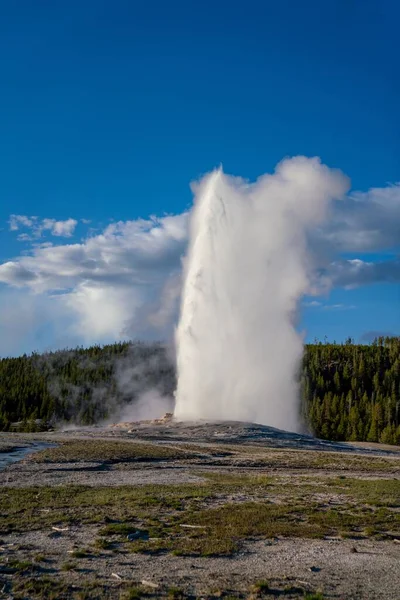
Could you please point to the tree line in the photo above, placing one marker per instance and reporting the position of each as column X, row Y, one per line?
column 352, row 391
column 80, row 386
column 349, row 391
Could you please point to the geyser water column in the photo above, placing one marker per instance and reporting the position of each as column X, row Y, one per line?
column 247, row 266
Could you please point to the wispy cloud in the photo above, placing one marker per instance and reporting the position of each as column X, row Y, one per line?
column 320, row 306
column 356, row 272
column 38, row 226
column 18, row 221
column 338, row 307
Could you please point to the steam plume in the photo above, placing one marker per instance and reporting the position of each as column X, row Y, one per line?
column 247, row 266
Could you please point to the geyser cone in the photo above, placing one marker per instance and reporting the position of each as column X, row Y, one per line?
column 238, row 351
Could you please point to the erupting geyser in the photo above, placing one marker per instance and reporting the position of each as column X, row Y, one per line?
column 248, row 265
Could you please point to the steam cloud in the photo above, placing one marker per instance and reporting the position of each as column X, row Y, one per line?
column 248, row 265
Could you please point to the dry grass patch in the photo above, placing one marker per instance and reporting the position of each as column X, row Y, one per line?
column 212, row 518
column 108, row 451
column 314, row 460
column 36, row 508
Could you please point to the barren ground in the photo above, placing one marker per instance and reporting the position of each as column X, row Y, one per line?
column 223, row 510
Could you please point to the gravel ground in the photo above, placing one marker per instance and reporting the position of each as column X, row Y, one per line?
column 339, row 568
column 332, row 566
column 28, row 473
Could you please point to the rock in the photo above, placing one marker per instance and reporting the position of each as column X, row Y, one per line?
column 150, row 584
column 138, row 535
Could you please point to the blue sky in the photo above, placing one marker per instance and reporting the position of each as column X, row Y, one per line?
column 110, row 110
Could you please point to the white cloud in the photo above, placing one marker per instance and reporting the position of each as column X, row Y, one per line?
column 18, row 221
column 366, row 221
column 355, row 272
column 100, row 311
column 113, row 284
column 312, row 304
column 38, row 226
column 338, row 307
column 60, row 228
column 15, row 274
column 31, row 322
column 125, row 281
column 321, row 306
